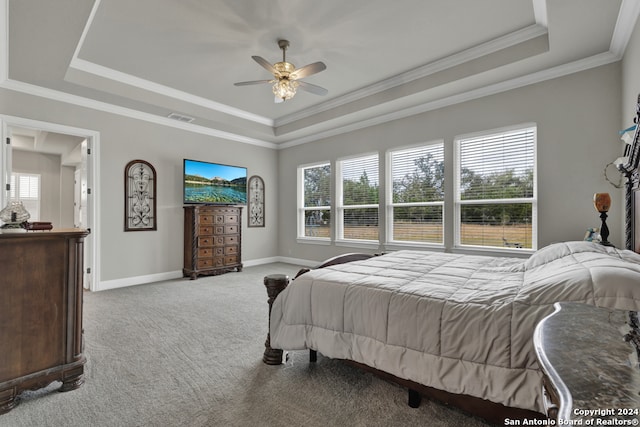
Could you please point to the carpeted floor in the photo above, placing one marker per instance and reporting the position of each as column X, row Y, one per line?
column 189, row 353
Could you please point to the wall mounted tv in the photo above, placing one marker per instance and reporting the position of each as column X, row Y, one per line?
column 213, row 183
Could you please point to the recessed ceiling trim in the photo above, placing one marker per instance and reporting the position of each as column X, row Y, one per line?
column 56, row 95
column 108, row 73
column 128, row 79
column 540, row 12
column 540, row 76
column 508, row 40
column 627, row 17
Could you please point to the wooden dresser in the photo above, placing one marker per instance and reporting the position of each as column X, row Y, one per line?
column 40, row 312
column 590, row 366
column 212, row 239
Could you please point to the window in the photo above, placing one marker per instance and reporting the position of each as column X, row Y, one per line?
column 314, row 213
column 358, row 198
column 416, row 194
column 26, row 188
column 496, row 189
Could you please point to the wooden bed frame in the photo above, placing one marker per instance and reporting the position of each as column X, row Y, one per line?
column 493, row 412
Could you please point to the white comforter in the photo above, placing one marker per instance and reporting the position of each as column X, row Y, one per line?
column 458, row 323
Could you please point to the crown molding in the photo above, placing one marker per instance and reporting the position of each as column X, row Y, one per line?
column 627, row 17
column 451, row 61
column 56, row 95
column 629, row 12
column 540, row 76
column 127, row 79
column 540, row 12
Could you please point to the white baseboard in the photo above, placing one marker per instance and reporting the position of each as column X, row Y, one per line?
column 170, row 275
column 138, row 280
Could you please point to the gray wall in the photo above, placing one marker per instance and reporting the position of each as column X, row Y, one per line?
column 143, row 253
column 630, row 79
column 56, row 182
column 577, row 116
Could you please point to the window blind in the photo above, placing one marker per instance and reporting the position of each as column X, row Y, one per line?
column 359, row 204
column 317, row 186
column 360, row 181
column 316, row 209
column 498, row 166
column 417, row 187
column 418, row 174
column 26, row 188
column 495, row 189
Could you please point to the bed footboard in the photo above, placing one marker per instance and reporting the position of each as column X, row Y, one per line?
column 276, row 283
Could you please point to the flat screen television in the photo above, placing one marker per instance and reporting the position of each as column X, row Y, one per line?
column 213, row 183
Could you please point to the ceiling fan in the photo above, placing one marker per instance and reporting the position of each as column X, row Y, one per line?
column 286, row 76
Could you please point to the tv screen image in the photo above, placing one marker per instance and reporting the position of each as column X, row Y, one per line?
column 215, row 183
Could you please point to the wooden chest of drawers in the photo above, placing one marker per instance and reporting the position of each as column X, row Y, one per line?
column 40, row 312
column 212, row 236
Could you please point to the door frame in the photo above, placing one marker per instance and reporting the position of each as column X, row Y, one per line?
column 92, row 247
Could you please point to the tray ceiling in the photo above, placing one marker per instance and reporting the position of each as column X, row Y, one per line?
column 384, row 59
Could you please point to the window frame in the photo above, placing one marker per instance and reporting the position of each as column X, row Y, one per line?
column 390, row 204
column 458, row 203
column 302, row 209
column 28, row 202
column 341, row 207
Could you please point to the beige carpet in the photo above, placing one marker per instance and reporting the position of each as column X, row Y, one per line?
column 188, row 353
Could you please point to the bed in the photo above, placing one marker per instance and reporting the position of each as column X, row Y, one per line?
column 456, row 327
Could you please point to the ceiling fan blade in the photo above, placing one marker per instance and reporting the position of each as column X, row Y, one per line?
column 308, row 70
column 317, row 90
column 252, row 82
column 266, row 64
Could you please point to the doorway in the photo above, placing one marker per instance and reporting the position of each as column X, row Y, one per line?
column 62, row 161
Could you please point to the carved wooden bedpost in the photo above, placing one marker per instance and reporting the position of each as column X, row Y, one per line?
column 275, row 283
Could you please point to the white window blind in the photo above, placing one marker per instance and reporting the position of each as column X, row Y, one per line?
column 26, row 188
column 417, row 194
column 358, row 209
column 315, row 210
column 495, row 189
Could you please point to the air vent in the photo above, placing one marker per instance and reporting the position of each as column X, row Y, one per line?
column 181, row 118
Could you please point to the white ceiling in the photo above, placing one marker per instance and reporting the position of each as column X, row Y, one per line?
column 384, row 59
column 34, row 140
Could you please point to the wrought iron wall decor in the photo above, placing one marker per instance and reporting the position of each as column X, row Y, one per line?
column 255, row 211
column 139, row 196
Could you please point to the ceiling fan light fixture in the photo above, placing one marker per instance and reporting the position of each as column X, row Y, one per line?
column 285, row 88
column 285, row 76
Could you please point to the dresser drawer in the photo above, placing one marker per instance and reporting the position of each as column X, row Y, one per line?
column 230, row 259
column 205, row 263
column 205, row 230
column 212, row 239
column 225, row 219
column 205, row 241
column 205, row 252
column 225, row 229
column 205, row 218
